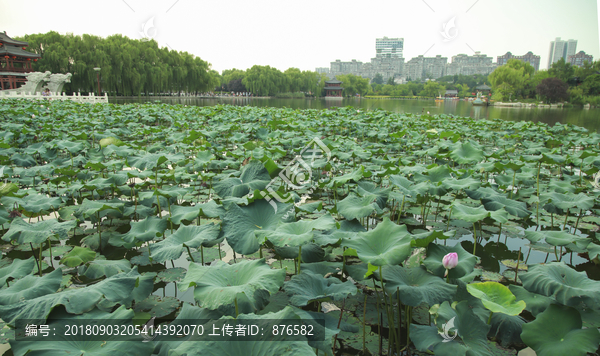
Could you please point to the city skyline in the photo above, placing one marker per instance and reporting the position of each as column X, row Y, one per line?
column 311, row 34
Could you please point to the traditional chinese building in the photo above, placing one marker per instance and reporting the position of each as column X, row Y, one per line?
column 15, row 62
column 333, row 89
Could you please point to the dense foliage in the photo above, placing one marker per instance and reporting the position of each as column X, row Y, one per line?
column 128, row 66
column 399, row 231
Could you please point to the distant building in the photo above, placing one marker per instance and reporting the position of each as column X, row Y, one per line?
column 389, row 47
column 561, row 49
column 470, row 65
column 388, row 61
column 339, row 67
column 529, row 57
column 322, row 70
column 426, row 67
column 579, row 58
column 333, row 88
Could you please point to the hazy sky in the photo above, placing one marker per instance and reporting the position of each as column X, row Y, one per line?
column 308, row 34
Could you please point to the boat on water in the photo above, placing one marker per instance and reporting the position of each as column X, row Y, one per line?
column 439, row 99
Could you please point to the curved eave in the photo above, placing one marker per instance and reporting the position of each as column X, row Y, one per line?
column 16, row 51
column 5, row 39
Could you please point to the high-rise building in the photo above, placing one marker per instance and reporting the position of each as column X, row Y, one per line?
column 579, row 58
column 389, row 47
column 470, row 65
column 425, row 67
column 529, row 57
column 561, row 49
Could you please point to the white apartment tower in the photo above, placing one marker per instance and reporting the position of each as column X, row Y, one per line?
column 561, row 49
column 389, row 47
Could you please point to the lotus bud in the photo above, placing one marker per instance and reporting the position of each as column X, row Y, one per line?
column 450, row 261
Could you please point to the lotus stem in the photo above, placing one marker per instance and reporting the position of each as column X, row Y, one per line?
column 379, row 318
column 537, row 208
column 236, row 307
column 399, row 319
column 577, row 223
column 190, row 254
column 50, row 249
column 528, row 252
column 513, row 184
column 401, row 208
column 99, row 232
column 170, row 216
column 363, row 324
column 448, row 222
column 474, row 239
column 36, row 259
column 490, row 318
column 566, row 217
column 299, row 257
column 158, row 203
column 221, row 259
column 518, row 260
column 339, row 322
column 408, row 320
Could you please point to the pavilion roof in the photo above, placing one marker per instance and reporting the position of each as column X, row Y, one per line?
column 334, row 88
column 333, row 81
column 16, row 51
column 5, row 39
column 483, row 87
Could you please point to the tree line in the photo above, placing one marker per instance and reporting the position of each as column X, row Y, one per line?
column 561, row 82
column 128, row 66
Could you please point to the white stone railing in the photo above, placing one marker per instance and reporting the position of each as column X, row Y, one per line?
column 92, row 99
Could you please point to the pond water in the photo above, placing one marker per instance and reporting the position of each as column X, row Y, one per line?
column 588, row 118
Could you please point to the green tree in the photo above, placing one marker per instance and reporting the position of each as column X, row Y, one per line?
column 433, row 89
column 553, row 90
column 463, row 90
column 353, row 84
column 511, row 79
column 378, row 79
column 391, row 81
column 561, row 70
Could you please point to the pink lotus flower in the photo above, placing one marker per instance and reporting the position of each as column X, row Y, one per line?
column 450, row 261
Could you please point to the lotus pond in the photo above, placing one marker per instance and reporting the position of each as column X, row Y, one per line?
column 388, row 233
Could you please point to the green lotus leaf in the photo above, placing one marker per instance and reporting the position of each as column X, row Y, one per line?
column 370, row 189
column 458, row 184
column 145, row 230
column 23, row 232
column 34, row 203
column 18, row 269
column 423, row 239
column 8, row 188
column 219, row 285
column 89, row 208
column 566, row 201
column 471, row 333
column 387, row 244
column 557, row 331
column 242, row 226
column 513, row 207
column 354, row 207
column 156, row 306
column 69, row 345
column 72, row 147
column 31, row 287
column 416, row 285
column 299, row 232
column 149, row 161
column 436, row 253
column 194, row 236
column 110, row 141
column 77, row 256
column 181, row 213
column 355, row 175
column 99, row 268
column 171, row 275
column 564, row 284
column 308, row 287
column 496, row 297
column 534, row 303
column 76, row 301
column 466, row 153
column 468, row 213
column 555, row 238
column 253, row 176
